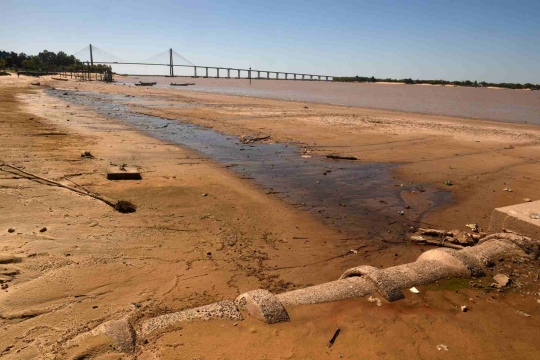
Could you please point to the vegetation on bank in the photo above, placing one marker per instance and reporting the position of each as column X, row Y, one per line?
column 467, row 83
column 45, row 61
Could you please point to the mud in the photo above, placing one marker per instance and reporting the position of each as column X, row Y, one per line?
column 357, row 198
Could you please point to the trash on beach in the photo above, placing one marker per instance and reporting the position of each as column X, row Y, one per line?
column 333, row 339
column 339, row 157
column 245, row 139
column 306, row 156
column 123, row 172
column 521, row 312
column 448, row 183
column 535, row 216
column 473, row 227
column 414, row 290
column 442, row 347
column 507, row 189
column 372, row 299
column 464, row 308
column 401, row 212
column 87, row 154
column 527, row 200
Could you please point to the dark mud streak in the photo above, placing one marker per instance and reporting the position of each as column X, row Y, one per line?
column 356, row 198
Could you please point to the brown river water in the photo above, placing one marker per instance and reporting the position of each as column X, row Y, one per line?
column 516, row 106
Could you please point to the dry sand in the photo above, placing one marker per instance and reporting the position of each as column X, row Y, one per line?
column 201, row 234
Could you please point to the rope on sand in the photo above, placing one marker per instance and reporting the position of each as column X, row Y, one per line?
column 122, row 206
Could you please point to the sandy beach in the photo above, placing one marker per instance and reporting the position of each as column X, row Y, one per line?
column 202, row 233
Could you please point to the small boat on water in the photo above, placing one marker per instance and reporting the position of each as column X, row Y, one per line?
column 182, row 84
column 146, row 83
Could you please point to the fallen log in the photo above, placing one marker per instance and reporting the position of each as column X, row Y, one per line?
column 122, row 206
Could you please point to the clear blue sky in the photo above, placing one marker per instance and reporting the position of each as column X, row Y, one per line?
column 479, row 40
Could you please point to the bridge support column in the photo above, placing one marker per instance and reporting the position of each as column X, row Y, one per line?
column 217, row 69
column 228, row 73
column 303, row 77
column 286, row 76
column 206, row 72
column 238, row 74
column 294, row 76
column 195, row 70
column 310, row 77
column 268, row 74
column 258, row 74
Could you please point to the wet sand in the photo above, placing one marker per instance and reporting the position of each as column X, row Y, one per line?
column 202, row 234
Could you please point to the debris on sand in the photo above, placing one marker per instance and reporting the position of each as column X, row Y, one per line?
column 442, row 347
column 122, row 206
column 414, row 290
column 245, row 139
column 464, row 308
column 473, row 227
column 372, row 299
column 333, row 339
column 339, row 157
column 125, row 207
column 521, row 312
column 448, row 183
column 123, row 172
column 501, row 281
column 87, row 154
column 527, row 200
column 35, row 83
column 454, row 239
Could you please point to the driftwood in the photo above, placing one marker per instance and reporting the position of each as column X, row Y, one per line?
column 443, row 243
column 122, row 206
column 339, row 157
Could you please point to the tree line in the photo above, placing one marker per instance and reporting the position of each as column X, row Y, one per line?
column 467, row 83
column 45, row 61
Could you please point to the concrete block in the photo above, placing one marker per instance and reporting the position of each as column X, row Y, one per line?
column 517, row 218
column 123, row 173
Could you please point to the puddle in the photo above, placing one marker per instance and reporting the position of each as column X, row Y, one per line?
column 358, row 199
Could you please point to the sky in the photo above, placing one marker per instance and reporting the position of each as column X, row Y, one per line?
column 494, row 41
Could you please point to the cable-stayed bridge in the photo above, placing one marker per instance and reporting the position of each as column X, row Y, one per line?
column 170, row 63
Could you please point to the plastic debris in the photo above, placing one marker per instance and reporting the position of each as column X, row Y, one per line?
column 473, row 227
column 535, row 216
column 414, row 290
column 442, row 347
column 521, row 312
column 464, row 308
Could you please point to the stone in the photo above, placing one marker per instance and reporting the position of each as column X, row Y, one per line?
column 501, row 281
column 464, row 308
column 11, row 230
column 263, row 306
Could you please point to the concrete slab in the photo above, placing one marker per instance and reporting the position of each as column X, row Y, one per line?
column 517, row 218
column 123, row 173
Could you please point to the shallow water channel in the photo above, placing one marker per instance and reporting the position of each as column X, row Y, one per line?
column 358, row 199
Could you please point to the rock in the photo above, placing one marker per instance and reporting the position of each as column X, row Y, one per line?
column 527, row 200
column 414, row 290
column 464, row 308
column 43, row 229
column 501, row 281
column 262, row 305
column 442, row 347
column 119, row 334
column 11, row 230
